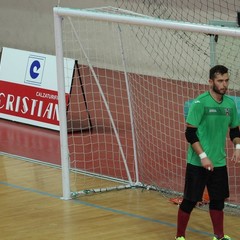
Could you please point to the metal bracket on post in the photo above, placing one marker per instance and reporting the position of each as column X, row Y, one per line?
column 214, row 38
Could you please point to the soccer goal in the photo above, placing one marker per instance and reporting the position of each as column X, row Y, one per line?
column 135, row 78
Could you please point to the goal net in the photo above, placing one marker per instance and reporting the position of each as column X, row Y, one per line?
column 134, row 79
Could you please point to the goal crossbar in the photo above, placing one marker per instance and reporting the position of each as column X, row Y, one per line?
column 148, row 21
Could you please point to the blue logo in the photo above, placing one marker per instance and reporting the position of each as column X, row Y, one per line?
column 34, row 71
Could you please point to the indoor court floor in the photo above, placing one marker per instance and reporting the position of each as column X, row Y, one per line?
column 32, row 208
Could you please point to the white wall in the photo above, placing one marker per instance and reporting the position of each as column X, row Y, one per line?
column 28, row 24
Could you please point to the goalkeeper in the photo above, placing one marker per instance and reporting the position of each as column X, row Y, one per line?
column 210, row 116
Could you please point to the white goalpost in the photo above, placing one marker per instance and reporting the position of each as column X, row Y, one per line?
column 123, row 124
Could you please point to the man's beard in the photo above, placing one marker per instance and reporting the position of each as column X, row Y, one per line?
column 216, row 90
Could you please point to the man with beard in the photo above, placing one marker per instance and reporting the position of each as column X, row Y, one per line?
column 209, row 118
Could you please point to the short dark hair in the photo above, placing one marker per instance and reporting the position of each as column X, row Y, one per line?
column 218, row 69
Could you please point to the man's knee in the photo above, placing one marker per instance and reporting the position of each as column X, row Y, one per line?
column 187, row 206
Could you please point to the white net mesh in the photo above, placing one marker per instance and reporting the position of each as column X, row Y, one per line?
column 131, row 88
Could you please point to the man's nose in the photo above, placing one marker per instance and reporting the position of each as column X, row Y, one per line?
column 225, row 84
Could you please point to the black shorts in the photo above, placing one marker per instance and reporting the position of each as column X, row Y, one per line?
column 197, row 178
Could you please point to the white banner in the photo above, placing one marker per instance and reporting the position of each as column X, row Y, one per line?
column 28, row 87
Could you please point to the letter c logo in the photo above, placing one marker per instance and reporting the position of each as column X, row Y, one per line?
column 34, row 68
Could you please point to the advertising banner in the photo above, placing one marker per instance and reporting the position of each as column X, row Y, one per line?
column 28, row 87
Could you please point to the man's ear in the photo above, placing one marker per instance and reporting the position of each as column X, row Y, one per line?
column 210, row 81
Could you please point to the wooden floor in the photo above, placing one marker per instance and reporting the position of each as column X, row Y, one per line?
column 31, row 208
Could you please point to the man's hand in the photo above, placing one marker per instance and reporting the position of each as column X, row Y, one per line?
column 236, row 156
column 207, row 164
